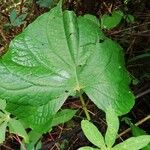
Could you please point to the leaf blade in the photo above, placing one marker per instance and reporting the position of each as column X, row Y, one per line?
column 63, row 116
column 109, row 22
column 2, row 131
column 16, row 127
column 135, row 142
column 62, row 61
column 96, row 138
column 112, row 127
column 136, row 131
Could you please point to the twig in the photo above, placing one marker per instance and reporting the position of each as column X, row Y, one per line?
column 3, row 35
column 143, row 33
column 142, row 94
column 21, row 6
column 108, row 8
column 116, row 32
column 22, row 144
column 4, row 15
column 5, row 146
column 137, row 124
column 67, row 136
column 1, row 50
column 130, row 46
column 57, row 146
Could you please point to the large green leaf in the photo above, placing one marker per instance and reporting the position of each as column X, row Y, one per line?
column 57, row 55
column 2, row 104
column 37, row 117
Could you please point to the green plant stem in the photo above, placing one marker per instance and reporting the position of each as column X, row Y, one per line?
column 84, row 107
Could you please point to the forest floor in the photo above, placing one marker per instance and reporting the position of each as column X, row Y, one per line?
column 133, row 37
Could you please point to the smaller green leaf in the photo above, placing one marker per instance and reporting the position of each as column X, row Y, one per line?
column 109, row 22
column 19, row 20
column 16, row 20
column 135, row 143
column 13, row 15
column 63, row 116
column 93, row 134
column 64, row 144
column 130, row 18
column 16, row 127
column 22, row 17
column 88, row 148
column 2, row 132
column 136, row 131
column 4, row 117
column 112, row 127
column 2, row 104
column 147, row 147
column 34, row 137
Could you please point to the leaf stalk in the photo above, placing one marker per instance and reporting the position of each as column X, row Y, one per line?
column 84, row 107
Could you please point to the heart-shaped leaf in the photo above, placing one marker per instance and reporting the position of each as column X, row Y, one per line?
column 111, row 21
column 57, row 55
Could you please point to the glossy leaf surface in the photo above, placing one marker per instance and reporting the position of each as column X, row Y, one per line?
column 57, row 55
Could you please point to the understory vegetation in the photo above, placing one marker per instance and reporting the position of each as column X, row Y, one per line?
column 74, row 75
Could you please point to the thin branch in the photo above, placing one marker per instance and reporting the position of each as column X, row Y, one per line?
column 123, row 30
column 142, row 94
column 3, row 35
column 137, row 124
column 21, row 6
